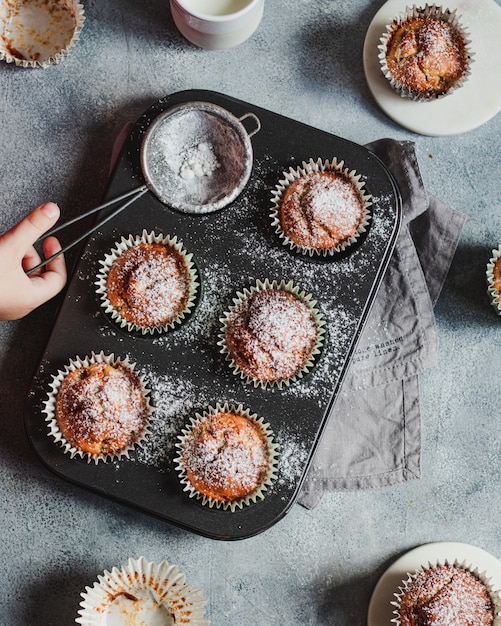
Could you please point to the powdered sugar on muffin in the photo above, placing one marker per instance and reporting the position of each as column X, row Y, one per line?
column 272, row 333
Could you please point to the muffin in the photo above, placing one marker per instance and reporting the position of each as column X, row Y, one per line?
column 142, row 592
column 424, row 53
column 320, row 208
column 494, row 280
column 445, row 595
column 148, row 283
column 227, row 457
column 272, row 333
column 98, row 408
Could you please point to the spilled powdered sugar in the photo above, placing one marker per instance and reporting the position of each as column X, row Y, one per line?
column 178, row 397
column 178, row 394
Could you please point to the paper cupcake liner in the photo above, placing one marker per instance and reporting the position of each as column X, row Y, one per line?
column 434, row 12
column 273, row 450
column 318, row 317
column 319, row 166
column 119, row 249
column 39, row 33
column 493, row 289
column 142, row 593
column 481, row 576
column 50, row 407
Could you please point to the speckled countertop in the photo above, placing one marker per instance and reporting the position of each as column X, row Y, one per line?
column 57, row 131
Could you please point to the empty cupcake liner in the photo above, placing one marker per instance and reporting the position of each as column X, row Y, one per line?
column 493, row 275
column 39, row 33
column 319, row 166
column 142, row 592
column 434, row 12
column 304, row 297
column 480, row 575
column 50, row 407
column 273, row 450
column 130, row 242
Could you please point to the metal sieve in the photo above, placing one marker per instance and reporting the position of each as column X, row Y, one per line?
column 195, row 157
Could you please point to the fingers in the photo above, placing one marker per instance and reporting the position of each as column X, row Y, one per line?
column 50, row 279
column 33, row 226
column 21, row 293
column 30, row 259
column 55, row 270
column 47, row 281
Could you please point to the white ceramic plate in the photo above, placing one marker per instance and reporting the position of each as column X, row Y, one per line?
column 476, row 102
column 381, row 611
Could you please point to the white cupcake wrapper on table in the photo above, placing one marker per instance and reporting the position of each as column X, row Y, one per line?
column 39, row 33
column 273, row 450
column 434, row 12
column 144, row 593
column 50, row 407
column 127, row 243
column 307, row 167
column 493, row 292
column 307, row 299
column 480, row 575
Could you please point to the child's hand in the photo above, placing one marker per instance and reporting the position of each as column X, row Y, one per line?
column 20, row 293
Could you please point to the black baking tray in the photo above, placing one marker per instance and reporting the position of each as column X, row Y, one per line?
column 184, row 368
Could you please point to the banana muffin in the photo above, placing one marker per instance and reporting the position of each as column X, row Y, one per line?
column 320, row 208
column 272, row 333
column 101, row 408
column 227, row 457
column 425, row 55
column 446, row 595
column 148, row 285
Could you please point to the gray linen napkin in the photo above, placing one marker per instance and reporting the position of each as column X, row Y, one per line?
column 373, row 435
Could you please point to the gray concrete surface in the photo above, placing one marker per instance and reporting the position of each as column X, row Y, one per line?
column 57, row 128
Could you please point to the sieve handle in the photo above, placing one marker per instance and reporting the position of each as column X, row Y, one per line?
column 254, row 117
column 132, row 197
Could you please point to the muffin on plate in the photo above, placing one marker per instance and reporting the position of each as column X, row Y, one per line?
column 227, row 457
column 425, row 53
column 148, row 283
column 446, row 595
column 272, row 334
column 320, row 208
column 494, row 280
column 98, row 407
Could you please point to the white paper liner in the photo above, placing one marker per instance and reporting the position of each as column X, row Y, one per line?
column 429, row 11
column 493, row 293
column 482, row 577
column 50, row 407
column 319, row 166
column 273, row 450
column 39, row 33
column 130, row 242
column 142, row 592
column 307, row 299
